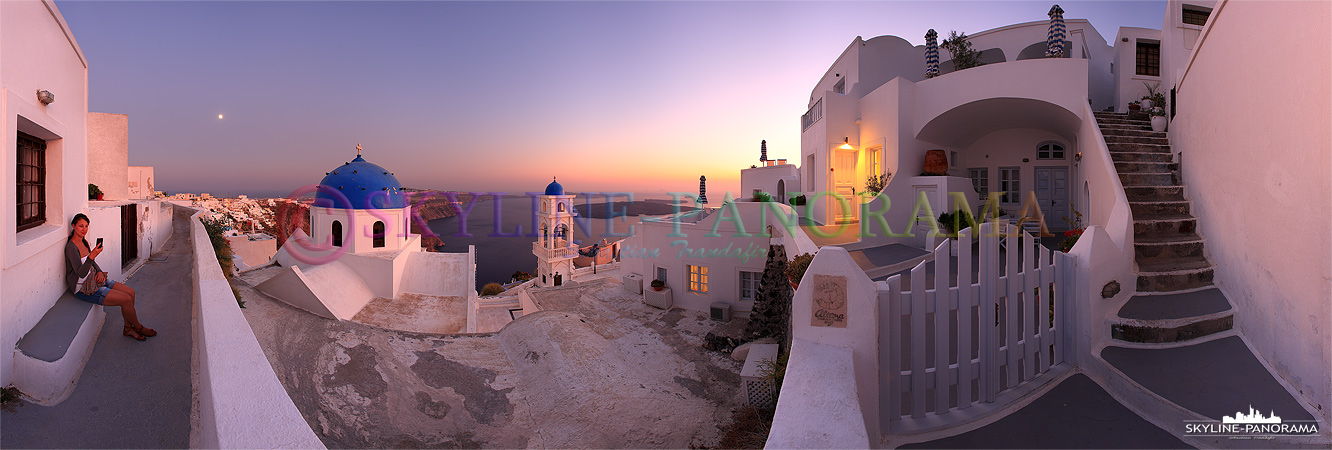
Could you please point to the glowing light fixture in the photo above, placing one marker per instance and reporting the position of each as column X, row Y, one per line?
column 846, row 144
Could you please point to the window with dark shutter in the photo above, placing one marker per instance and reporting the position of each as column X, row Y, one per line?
column 1195, row 16
column 1149, row 59
column 31, row 177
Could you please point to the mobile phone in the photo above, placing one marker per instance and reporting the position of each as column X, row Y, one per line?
column 99, row 242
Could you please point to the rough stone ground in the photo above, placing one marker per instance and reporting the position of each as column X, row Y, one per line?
column 599, row 369
column 416, row 312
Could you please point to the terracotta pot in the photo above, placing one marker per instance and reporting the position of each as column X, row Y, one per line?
column 1134, row 108
column 936, row 162
column 99, row 196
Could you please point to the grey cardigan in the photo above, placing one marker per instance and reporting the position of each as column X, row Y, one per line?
column 75, row 269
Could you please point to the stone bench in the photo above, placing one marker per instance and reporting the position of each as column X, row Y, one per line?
column 50, row 357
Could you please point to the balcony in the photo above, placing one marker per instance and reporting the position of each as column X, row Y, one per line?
column 559, row 253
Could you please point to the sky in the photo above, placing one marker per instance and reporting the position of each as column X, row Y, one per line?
column 490, row 96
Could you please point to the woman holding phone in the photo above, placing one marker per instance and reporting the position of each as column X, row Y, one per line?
column 80, row 264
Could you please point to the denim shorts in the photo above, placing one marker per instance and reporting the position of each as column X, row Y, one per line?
column 99, row 296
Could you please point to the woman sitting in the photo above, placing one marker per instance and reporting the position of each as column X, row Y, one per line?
column 80, row 264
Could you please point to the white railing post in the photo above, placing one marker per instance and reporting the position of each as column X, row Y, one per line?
column 1030, row 281
column 918, row 307
column 1012, row 288
column 892, row 329
column 989, row 331
column 941, row 328
column 1047, row 277
column 965, row 298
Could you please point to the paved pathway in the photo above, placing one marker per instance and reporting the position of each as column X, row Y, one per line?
column 1075, row 414
column 132, row 394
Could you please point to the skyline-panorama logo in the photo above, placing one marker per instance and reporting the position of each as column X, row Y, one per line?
column 1251, row 425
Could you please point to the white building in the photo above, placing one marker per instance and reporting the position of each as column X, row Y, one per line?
column 363, row 250
column 1186, row 213
column 554, row 247
column 47, row 137
column 708, row 256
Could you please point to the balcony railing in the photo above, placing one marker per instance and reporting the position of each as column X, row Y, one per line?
column 558, row 253
column 813, row 115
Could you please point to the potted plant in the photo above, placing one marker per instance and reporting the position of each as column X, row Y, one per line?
column 658, row 285
column 1158, row 118
column 954, row 222
column 94, row 192
column 1135, row 105
column 1154, row 96
column 795, row 271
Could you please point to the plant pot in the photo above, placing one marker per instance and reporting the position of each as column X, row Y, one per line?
column 1158, row 123
column 1135, row 108
column 99, row 196
column 1146, row 104
column 658, row 289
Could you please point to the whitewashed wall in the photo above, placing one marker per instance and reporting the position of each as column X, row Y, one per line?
column 108, row 154
column 1256, row 164
column 39, row 52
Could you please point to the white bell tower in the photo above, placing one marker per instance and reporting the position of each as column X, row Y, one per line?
column 554, row 247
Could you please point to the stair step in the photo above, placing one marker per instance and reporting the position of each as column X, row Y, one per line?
column 1181, row 320
column 1175, row 281
column 1148, row 252
column 1136, row 147
column 1136, row 140
column 1145, row 166
column 1132, row 131
column 1165, row 224
column 1147, row 239
column 1148, row 179
column 1158, row 208
column 1173, row 265
column 1162, row 157
column 1213, row 379
column 1151, row 193
column 1122, row 120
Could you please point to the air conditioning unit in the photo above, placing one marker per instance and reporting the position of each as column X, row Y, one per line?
column 721, row 312
column 633, row 283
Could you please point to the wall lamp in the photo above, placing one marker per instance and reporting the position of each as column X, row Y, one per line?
column 1077, row 157
column 846, row 144
column 44, row 96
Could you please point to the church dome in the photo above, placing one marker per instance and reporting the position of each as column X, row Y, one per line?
column 366, row 185
column 554, row 188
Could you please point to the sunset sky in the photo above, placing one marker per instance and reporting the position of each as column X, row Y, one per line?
column 496, row 96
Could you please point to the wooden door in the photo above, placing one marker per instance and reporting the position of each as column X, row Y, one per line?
column 129, row 234
column 1052, row 194
column 844, row 185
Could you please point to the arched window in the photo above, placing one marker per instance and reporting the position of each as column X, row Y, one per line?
column 337, row 233
column 561, row 207
column 1050, row 150
column 379, row 234
column 561, row 231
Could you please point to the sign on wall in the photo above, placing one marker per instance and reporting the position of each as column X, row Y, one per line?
column 829, row 301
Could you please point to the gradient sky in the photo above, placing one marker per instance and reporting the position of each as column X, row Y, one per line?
column 495, row 96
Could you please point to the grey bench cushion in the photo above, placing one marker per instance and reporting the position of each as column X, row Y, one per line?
column 51, row 337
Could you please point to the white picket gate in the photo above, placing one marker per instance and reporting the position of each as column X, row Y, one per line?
column 937, row 364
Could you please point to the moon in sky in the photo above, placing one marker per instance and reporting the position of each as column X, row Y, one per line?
column 219, row 116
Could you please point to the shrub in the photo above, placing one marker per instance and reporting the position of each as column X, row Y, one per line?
column 876, row 183
column 796, row 269
column 521, row 276
column 491, row 289
column 954, row 222
column 762, row 197
column 963, row 56
column 222, row 250
column 798, row 200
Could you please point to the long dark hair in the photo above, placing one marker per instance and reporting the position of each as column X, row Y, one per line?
column 77, row 217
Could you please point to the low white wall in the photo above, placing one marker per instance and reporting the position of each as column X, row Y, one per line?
column 1105, row 251
column 1255, row 161
column 818, row 406
column 860, row 338
column 241, row 402
column 437, row 274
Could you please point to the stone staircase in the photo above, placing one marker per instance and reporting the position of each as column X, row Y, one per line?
column 1176, row 300
column 1176, row 352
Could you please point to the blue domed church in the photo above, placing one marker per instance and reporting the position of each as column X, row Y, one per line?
column 362, row 263
column 361, row 207
column 554, row 247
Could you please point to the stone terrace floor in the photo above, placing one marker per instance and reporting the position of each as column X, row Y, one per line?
column 132, row 394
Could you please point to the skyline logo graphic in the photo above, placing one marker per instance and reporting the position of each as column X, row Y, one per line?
column 1251, row 425
column 1254, row 416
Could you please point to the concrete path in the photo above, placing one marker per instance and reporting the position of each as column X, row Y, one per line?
column 132, row 394
column 1075, row 414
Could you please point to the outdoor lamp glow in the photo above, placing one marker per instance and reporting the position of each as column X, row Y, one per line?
column 846, row 144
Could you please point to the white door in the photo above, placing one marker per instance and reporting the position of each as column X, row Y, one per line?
column 1052, row 194
column 921, row 223
column 844, row 185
